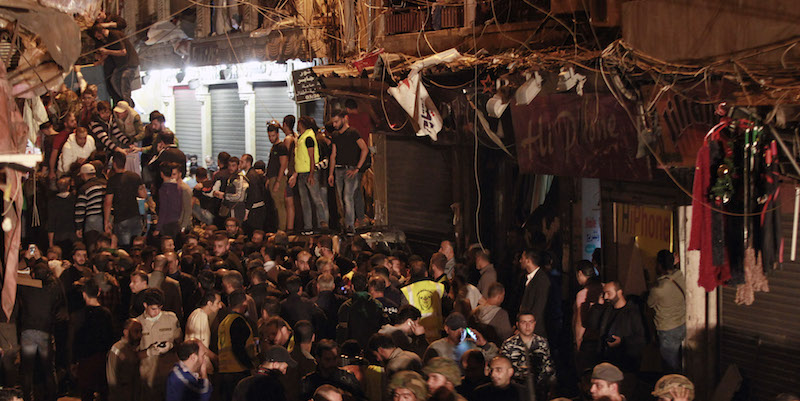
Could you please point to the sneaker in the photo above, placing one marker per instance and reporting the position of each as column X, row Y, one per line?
column 307, row 232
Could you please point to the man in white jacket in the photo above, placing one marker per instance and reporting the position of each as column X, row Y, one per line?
column 77, row 149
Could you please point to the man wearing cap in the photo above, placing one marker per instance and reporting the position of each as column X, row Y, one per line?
column 89, row 203
column 265, row 383
column 443, row 377
column 130, row 124
column 606, row 379
column 408, row 386
column 458, row 340
column 501, row 387
column 188, row 380
column 674, row 388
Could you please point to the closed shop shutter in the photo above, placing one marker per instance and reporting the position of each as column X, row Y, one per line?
column 316, row 109
column 272, row 103
column 762, row 339
column 227, row 120
column 187, row 122
column 419, row 187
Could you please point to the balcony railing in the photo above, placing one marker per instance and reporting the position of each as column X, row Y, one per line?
column 414, row 19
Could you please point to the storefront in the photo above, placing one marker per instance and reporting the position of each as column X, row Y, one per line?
column 220, row 108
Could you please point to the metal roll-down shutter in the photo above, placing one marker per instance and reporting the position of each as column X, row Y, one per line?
column 272, row 103
column 187, row 122
column 227, row 120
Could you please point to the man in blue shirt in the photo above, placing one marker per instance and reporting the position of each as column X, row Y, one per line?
column 188, row 380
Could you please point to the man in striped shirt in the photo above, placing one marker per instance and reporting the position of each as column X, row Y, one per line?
column 89, row 204
column 105, row 130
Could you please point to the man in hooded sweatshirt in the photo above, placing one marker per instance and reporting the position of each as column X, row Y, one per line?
column 492, row 315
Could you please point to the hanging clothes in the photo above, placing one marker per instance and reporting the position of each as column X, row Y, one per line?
column 711, row 274
column 34, row 114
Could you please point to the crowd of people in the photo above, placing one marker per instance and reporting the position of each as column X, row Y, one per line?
column 164, row 280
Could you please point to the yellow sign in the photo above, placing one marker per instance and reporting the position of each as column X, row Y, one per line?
column 650, row 227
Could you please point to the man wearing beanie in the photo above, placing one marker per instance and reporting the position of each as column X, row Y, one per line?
column 606, row 379
column 443, row 377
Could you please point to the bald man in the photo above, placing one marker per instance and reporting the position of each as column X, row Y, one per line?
column 158, row 278
column 501, row 387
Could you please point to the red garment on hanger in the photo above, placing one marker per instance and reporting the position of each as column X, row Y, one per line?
column 710, row 275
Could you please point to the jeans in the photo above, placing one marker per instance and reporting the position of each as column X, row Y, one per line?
column 347, row 189
column 36, row 346
column 127, row 229
column 669, row 342
column 308, row 194
column 93, row 223
column 279, row 199
column 121, row 80
column 358, row 200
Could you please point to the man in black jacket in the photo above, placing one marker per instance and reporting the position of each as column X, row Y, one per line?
column 38, row 308
column 167, row 152
column 296, row 307
column 360, row 316
column 619, row 323
column 537, row 289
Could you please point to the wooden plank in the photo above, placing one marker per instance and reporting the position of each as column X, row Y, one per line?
column 682, row 30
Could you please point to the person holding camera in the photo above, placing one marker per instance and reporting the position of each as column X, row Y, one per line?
column 622, row 335
column 161, row 331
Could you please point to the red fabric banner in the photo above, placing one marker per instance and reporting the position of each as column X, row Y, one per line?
column 587, row 136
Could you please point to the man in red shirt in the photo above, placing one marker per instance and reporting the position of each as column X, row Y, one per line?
column 70, row 124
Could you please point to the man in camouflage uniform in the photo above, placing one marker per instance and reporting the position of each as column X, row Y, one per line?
column 160, row 333
column 530, row 356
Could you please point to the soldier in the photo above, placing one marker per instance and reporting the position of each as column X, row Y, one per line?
column 160, row 333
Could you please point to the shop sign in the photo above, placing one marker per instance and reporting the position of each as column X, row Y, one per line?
column 307, row 85
column 649, row 227
column 683, row 124
column 587, row 136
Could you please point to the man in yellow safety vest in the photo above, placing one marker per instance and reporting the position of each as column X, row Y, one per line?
column 426, row 295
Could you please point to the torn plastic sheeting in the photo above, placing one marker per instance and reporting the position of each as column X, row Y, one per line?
column 446, row 56
column 59, row 32
column 164, row 32
column 87, row 8
column 415, row 100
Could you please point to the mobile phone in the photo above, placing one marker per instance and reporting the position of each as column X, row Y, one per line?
column 470, row 334
column 31, row 249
